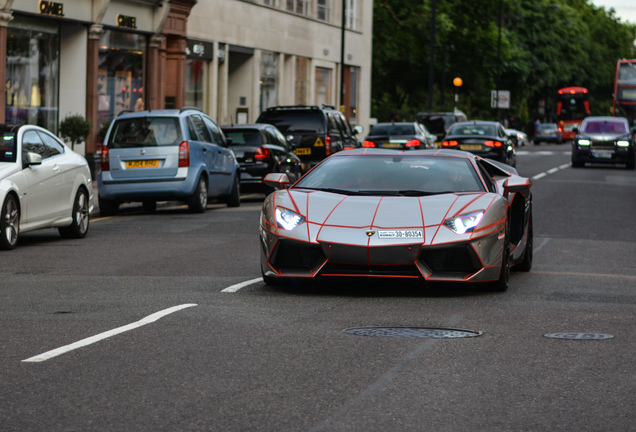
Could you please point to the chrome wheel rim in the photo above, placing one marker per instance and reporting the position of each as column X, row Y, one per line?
column 11, row 219
column 81, row 214
column 203, row 196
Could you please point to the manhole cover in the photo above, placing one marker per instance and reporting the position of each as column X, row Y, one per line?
column 412, row 332
column 579, row 336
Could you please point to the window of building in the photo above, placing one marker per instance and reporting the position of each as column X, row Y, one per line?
column 269, row 67
column 353, row 95
column 352, row 14
column 323, row 86
column 120, row 81
column 323, row 11
column 301, row 90
column 271, row 3
column 299, row 6
column 33, row 64
column 196, row 71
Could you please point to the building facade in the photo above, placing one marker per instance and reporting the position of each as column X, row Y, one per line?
column 231, row 58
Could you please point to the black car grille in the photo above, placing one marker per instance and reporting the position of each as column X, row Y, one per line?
column 331, row 269
column 456, row 259
column 290, row 256
column 602, row 145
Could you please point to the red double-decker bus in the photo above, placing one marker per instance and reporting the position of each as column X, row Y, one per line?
column 625, row 90
column 572, row 107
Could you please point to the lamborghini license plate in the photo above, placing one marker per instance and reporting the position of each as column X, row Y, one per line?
column 401, row 234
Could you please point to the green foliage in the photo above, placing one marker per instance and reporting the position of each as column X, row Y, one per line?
column 545, row 45
column 75, row 128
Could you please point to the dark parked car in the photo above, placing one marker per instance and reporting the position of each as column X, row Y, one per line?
column 484, row 138
column 402, row 135
column 166, row 155
column 261, row 149
column 314, row 132
column 603, row 140
column 548, row 132
column 439, row 122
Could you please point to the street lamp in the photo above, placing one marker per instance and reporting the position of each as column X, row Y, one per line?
column 457, row 82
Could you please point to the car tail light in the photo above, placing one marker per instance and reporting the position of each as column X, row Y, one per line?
column 184, row 155
column 262, row 154
column 451, row 143
column 327, row 145
column 413, row 143
column 493, row 143
column 368, row 144
column 105, row 159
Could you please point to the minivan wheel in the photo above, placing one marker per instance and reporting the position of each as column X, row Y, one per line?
column 79, row 227
column 9, row 223
column 234, row 200
column 198, row 202
column 107, row 207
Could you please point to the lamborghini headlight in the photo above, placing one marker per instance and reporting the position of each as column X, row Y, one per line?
column 464, row 223
column 288, row 219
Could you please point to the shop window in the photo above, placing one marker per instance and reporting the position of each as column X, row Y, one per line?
column 32, row 84
column 120, row 81
column 323, row 86
column 196, row 71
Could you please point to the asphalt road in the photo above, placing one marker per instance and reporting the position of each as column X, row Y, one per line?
column 228, row 353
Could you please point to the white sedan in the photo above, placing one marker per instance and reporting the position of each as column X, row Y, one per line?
column 43, row 184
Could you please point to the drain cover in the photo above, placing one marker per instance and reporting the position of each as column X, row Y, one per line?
column 412, row 332
column 579, row 336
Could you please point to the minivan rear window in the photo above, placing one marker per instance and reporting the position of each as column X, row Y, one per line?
column 290, row 121
column 145, row 132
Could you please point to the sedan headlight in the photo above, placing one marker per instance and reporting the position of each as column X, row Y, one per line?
column 584, row 142
column 464, row 223
column 622, row 143
column 288, row 219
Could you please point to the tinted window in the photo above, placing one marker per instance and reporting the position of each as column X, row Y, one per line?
column 611, row 127
column 51, row 142
column 145, row 132
column 249, row 137
column 392, row 129
column 32, row 142
column 202, row 131
column 8, row 147
column 547, row 126
column 473, row 129
column 218, row 136
column 289, row 121
column 391, row 174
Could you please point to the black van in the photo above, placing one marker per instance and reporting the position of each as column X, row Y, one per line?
column 439, row 122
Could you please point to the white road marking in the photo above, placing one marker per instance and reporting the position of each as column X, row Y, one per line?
column 91, row 340
column 235, row 288
column 550, row 171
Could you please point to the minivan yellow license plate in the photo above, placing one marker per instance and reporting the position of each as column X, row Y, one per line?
column 150, row 163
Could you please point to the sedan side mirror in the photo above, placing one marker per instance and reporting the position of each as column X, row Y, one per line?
column 33, row 159
column 575, row 130
column 358, row 129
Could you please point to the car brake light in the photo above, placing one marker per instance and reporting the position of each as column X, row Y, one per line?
column 262, row 154
column 327, row 145
column 451, row 143
column 413, row 143
column 184, row 155
column 368, row 144
column 105, row 159
column 493, row 143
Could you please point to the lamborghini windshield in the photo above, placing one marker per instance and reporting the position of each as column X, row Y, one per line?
column 399, row 175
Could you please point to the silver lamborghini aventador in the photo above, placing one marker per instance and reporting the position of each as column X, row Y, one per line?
column 435, row 215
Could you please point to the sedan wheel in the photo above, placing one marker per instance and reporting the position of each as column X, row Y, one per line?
column 79, row 227
column 234, row 200
column 9, row 223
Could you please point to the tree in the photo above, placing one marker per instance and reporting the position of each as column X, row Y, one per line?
column 75, row 128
